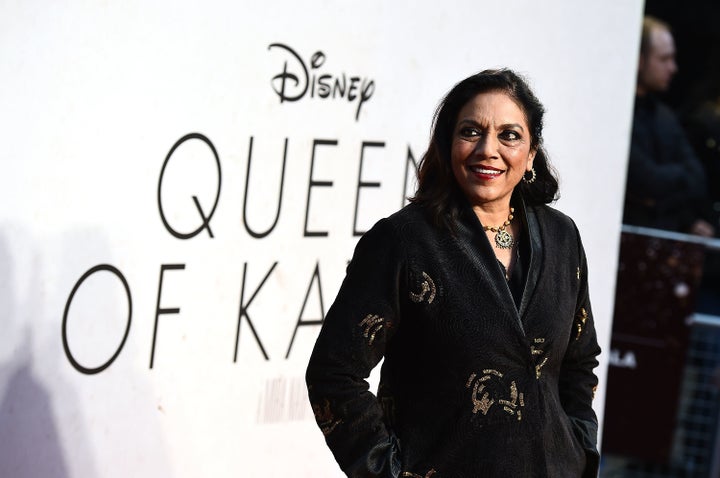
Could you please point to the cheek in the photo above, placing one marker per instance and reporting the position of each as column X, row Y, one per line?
column 458, row 153
column 456, row 165
column 519, row 162
column 517, row 157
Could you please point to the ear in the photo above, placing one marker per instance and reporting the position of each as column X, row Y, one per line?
column 531, row 159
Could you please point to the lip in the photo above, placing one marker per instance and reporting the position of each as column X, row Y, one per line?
column 484, row 172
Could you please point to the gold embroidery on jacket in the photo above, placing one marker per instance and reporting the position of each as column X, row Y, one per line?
column 427, row 286
column 482, row 401
column 489, row 371
column 511, row 406
column 387, row 402
column 325, row 417
column 371, row 326
column 536, row 351
column 539, row 366
column 580, row 320
column 483, row 404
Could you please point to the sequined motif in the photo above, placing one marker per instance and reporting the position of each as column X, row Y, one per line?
column 511, row 406
column 580, row 320
column 427, row 288
column 538, row 351
column 482, row 400
column 539, row 366
column 325, row 417
column 371, row 325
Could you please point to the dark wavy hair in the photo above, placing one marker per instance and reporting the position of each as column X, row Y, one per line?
column 437, row 189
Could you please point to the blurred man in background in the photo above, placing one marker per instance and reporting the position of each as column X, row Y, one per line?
column 666, row 186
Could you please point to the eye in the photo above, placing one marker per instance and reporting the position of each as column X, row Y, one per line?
column 510, row 135
column 468, row 132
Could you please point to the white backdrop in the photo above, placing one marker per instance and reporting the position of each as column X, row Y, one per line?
column 146, row 210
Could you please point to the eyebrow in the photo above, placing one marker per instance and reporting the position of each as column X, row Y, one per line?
column 502, row 126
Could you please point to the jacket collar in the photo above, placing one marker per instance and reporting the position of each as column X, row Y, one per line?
column 472, row 238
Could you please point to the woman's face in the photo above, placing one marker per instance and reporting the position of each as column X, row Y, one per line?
column 490, row 149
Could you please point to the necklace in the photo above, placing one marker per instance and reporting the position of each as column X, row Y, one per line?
column 503, row 238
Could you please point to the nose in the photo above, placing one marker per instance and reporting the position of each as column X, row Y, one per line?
column 487, row 146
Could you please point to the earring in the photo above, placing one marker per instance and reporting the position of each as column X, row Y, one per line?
column 532, row 179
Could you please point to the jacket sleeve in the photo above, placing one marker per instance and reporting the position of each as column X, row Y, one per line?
column 577, row 380
column 353, row 338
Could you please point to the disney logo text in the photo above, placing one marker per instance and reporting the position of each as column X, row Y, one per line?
column 296, row 81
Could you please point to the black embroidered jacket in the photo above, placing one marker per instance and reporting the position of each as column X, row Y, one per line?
column 471, row 385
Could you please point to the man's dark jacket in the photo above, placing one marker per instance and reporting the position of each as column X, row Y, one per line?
column 666, row 186
column 470, row 385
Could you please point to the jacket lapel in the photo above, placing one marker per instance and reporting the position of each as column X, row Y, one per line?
column 474, row 242
column 532, row 227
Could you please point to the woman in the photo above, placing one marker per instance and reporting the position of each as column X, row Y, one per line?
column 476, row 296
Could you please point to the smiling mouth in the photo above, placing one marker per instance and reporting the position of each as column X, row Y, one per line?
column 485, row 171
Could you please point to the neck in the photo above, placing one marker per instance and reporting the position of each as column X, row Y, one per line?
column 492, row 215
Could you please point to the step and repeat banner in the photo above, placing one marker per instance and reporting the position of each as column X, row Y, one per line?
column 183, row 185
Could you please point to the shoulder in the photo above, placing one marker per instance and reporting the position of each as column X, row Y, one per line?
column 408, row 214
column 666, row 116
column 653, row 109
column 405, row 230
column 409, row 220
column 387, row 244
column 550, row 217
column 559, row 231
column 556, row 226
column 390, row 229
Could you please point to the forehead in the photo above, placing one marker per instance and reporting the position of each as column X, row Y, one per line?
column 493, row 106
column 661, row 42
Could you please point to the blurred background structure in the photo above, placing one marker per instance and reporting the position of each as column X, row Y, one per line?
column 662, row 415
